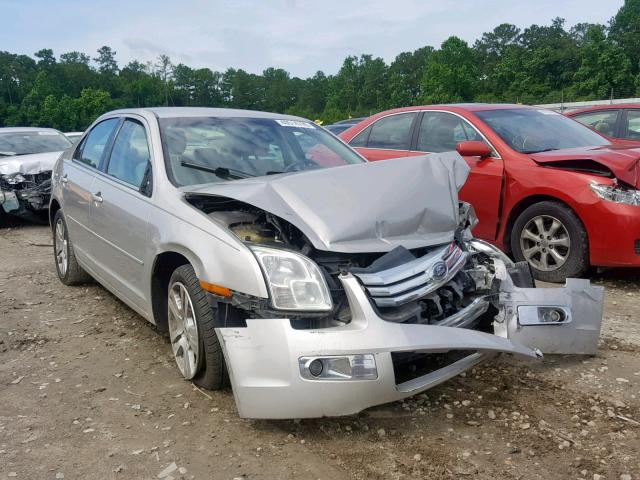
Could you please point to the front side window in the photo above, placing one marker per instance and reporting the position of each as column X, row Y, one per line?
column 213, row 149
column 34, row 141
column 92, row 148
column 392, row 132
column 633, row 125
column 129, row 158
column 441, row 132
column 603, row 122
column 532, row 130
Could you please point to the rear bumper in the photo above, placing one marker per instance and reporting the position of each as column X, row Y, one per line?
column 263, row 358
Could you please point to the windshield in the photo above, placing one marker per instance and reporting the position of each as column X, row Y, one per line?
column 37, row 141
column 205, row 150
column 529, row 130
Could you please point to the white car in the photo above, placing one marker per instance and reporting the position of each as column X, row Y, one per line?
column 27, row 156
column 276, row 257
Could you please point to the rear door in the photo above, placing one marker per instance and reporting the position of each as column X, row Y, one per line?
column 387, row 137
column 78, row 175
column 119, row 211
column 441, row 132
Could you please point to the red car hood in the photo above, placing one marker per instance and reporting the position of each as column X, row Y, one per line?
column 622, row 160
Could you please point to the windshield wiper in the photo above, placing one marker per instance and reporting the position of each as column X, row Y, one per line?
column 222, row 172
column 540, row 151
column 8, row 154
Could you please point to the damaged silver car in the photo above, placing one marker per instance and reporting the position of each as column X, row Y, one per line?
column 27, row 156
column 278, row 259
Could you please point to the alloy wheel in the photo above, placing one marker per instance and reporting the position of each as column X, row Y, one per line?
column 545, row 243
column 183, row 330
column 61, row 248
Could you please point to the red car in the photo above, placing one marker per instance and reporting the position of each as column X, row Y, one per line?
column 619, row 122
column 545, row 188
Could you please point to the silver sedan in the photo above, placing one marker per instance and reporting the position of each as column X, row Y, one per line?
column 276, row 258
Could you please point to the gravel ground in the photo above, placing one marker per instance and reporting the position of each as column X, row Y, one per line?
column 88, row 390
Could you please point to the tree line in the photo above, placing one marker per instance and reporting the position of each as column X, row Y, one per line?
column 538, row 64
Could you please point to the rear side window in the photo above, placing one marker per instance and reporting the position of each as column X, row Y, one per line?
column 603, row 121
column 633, row 125
column 91, row 150
column 441, row 132
column 392, row 133
column 130, row 154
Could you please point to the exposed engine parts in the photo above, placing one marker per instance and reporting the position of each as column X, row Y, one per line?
column 25, row 193
column 431, row 285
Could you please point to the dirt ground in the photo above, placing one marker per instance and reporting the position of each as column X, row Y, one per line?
column 88, row 390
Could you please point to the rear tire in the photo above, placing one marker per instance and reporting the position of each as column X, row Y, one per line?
column 67, row 267
column 551, row 238
column 194, row 341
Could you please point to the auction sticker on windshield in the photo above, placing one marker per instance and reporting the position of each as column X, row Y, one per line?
column 295, row 123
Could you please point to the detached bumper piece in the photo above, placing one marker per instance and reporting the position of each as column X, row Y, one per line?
column 273, row 373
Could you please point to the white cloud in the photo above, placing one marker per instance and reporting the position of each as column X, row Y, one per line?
column 301, row 36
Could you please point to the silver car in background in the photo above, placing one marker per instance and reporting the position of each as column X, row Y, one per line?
column 277, row 258
column 27, row 156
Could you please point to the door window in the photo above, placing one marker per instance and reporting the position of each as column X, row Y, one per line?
column 129, row 159
column 392, row 133
column 633, row 125
column 92, row 148
column 603, row 121
column 441, row 132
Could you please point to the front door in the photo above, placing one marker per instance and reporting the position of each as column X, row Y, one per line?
column 119, row 212
column 441, row 132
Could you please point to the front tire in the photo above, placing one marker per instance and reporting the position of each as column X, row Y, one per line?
column 191, row 322
column 67, row 268
column 551, row 238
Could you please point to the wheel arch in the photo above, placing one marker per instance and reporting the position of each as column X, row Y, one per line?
column 54, row 206
column 525, row 203
column 164, row 265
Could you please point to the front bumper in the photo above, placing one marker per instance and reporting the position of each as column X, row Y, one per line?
column 614, row 234
column 263, row 358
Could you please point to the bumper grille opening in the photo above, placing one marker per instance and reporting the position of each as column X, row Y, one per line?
column 410, row 365
column 636, row 247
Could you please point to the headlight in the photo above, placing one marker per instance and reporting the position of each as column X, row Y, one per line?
column 294, row 281
column 617, row 194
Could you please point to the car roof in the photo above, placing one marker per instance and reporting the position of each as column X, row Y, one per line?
column 611, row 106
column 178, row 112
column 457, row 107
column 26, row 129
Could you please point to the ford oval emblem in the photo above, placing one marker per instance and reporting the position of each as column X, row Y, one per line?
column 439, row 270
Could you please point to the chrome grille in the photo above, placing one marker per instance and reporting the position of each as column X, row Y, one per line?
column 415, row 279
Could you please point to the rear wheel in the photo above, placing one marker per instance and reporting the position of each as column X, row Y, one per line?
column 191, row 321
column 551, row 238
column 69, row 272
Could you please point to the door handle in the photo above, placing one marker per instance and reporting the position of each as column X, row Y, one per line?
column 64, row 178
column 97, row 197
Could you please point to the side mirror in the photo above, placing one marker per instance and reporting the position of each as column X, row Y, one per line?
column 473, row 149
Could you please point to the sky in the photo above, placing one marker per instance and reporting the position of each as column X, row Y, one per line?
column 301, row 36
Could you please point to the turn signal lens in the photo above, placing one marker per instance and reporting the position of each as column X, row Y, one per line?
column 215, row 289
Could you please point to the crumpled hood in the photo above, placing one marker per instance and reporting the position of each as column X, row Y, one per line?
column 368, row 207
column 28, row 164
column 622, row 160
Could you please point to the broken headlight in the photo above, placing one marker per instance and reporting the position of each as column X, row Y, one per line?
column 294, row 281
column 617, row 194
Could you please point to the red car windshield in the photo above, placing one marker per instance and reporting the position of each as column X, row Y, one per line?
column 529, row 130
